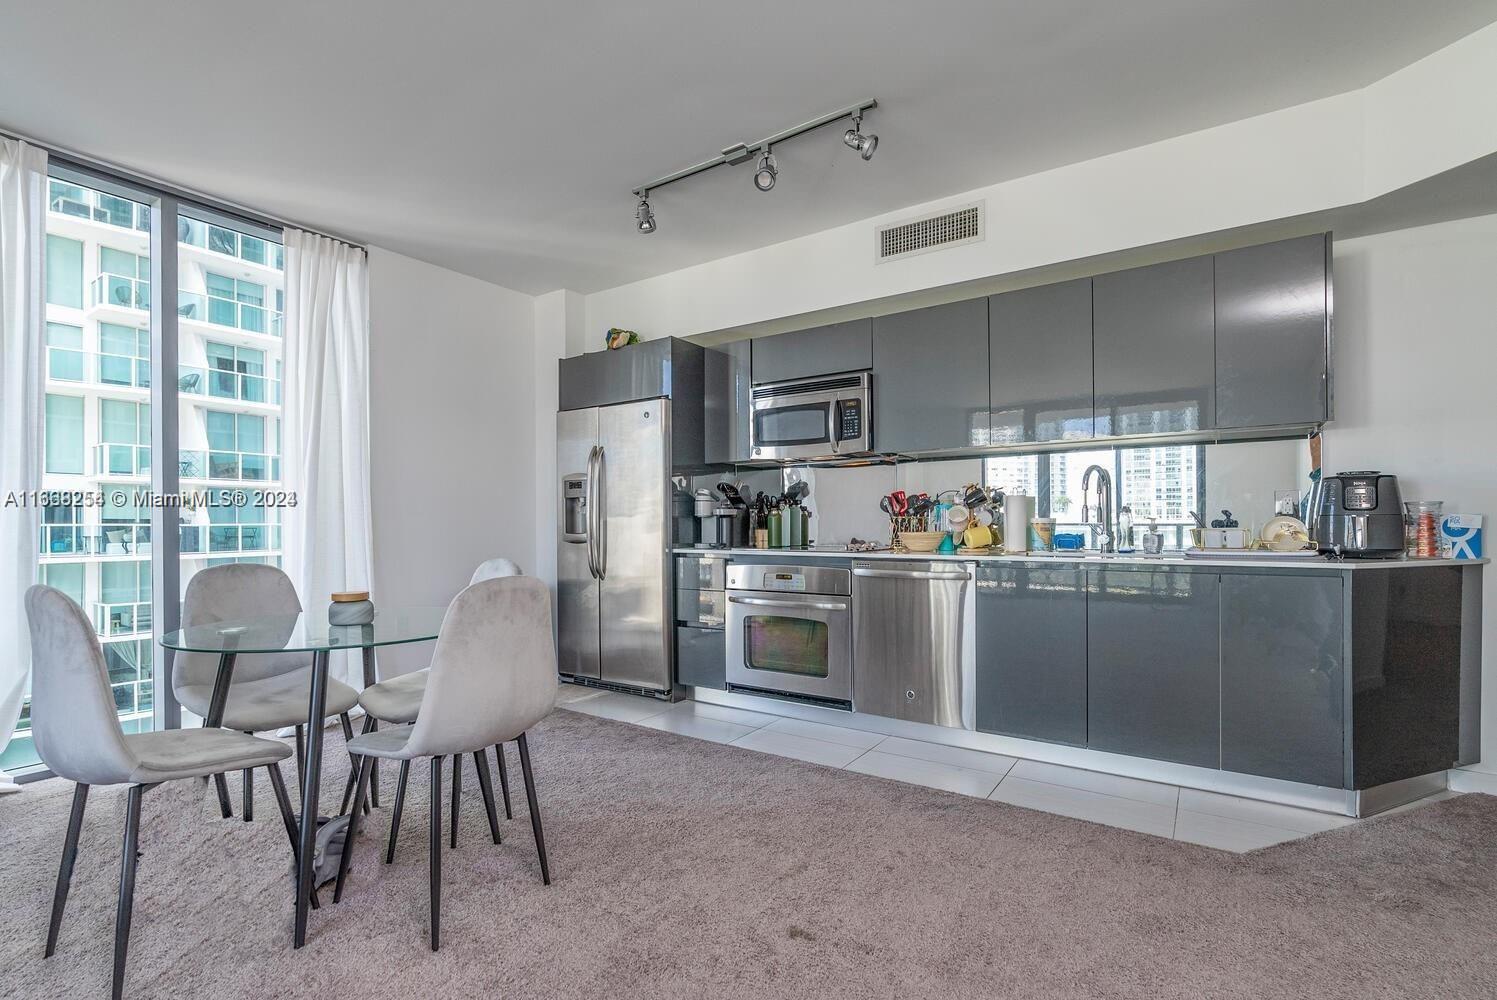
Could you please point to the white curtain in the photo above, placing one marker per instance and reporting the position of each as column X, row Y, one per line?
column 327, row 536
column 23, row 221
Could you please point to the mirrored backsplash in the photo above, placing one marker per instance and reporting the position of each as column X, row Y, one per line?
column 1164, row 482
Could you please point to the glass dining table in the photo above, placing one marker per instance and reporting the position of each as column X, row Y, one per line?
column 308, row 632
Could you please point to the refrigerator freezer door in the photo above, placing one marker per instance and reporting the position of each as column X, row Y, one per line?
column 633, row 555
column 576, row 586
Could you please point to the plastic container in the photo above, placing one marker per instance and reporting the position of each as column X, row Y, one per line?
column 1421, row 528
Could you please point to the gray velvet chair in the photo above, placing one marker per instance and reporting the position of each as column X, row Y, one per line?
column 492, row 677
column 398, row 699
column 78, row 736
column 269, row 691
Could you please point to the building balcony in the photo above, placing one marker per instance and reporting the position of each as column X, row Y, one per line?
column 116, row 291
column 216, row 311
column 235, row 465
column 221, row 384
column 229, row 243
column 229, row 539
column 122, row 619
column 122, row 459
column 96, row 206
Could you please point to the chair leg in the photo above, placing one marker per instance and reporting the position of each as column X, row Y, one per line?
column 353, row 760
column 435, row 875
column 405, row 774
column 222, row 785
column 457, row 793
column 365, row 765
column 130, row 856
column 283, row 801
column 486, row 785
column 65, row 870
column 535, row 808
column 504, row 779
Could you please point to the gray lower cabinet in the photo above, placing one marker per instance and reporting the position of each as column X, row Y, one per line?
column 1154, row 349
column 930, row 388
column 1153, row 655
column 1031, row 652
column 1272, row 333
column 1040, row 364
column 1283, row 685
column 822, row 350
column 701, row 657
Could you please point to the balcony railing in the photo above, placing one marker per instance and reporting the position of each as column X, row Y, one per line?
column 128, row 618
column 95, row 539
column 86, row 203
column 193, row 232
column 122, row 459
column 252, row 466
column 226, row 312
column 69, row 364
column 218, row 539
column 242, row 385
column 121, row 292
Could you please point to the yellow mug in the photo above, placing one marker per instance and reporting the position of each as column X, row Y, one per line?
column 977, row 536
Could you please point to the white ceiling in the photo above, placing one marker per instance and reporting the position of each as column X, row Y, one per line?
column 502, row 139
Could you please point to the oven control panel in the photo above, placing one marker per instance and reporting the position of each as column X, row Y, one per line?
column 794, row 583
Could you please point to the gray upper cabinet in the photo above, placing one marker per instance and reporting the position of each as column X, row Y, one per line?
column 930, row 389
column 726, row 409
column 1031, row 652
column 821, row 350
column 1040, row 358
column 1153, row 663
column 1154, row 349
column 1283, row 682
column 1273, row 333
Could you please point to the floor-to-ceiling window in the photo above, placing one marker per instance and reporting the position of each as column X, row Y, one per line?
column 97, row 436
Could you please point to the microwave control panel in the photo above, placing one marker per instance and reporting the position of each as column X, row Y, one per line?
column 850, row 419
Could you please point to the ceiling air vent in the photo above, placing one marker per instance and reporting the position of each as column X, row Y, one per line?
column 931, row 232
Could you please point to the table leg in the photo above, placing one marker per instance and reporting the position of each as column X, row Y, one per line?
column 371, row 724
column 316, row 711
column 216, row 703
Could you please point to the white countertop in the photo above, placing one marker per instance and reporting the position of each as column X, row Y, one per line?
column 1172, row 559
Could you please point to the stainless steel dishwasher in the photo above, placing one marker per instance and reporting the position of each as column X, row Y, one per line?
column 908, row 622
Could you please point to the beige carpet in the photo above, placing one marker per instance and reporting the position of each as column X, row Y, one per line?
column 688, row 869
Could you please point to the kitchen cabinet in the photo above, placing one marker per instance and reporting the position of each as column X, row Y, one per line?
column 1040, row 364
column 1283, row 685
column 1153, row 663
column 930, row 389
column 1154, row 349
column 726, row 403
column 701, row 657
column 822, row 350
column 1273, row 333
column 1031, row 652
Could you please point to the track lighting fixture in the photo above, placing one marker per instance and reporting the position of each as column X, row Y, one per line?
column 646, row 219
column 855, row 139
column 764, row 177
column 767, row 170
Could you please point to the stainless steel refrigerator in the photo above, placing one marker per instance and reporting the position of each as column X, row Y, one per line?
column 614, row 612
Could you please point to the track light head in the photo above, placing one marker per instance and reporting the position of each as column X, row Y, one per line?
column 856, row 140
column 764, row 177
column 645, row 223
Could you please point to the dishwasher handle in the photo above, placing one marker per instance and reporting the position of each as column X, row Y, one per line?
column 766, row 602
column 912, row 574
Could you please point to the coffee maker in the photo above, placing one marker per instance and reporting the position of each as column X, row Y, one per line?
column 732, row 517
column 1358, row 514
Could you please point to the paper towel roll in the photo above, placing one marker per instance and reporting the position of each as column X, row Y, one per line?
column 1016, row 511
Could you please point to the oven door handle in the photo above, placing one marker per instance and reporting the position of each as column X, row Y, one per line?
column 910, row 574
column 765, row 602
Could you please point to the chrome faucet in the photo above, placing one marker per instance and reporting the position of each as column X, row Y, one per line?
column 1106, row 541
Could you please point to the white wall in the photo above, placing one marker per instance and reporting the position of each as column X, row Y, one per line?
column 453, row 409
column 1416, row 353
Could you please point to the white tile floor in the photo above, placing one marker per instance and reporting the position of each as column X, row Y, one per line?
column 1210, row 819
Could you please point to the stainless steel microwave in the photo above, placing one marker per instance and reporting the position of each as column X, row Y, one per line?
column 810, row 418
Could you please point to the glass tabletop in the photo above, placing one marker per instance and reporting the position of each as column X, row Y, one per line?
column 307, row 632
